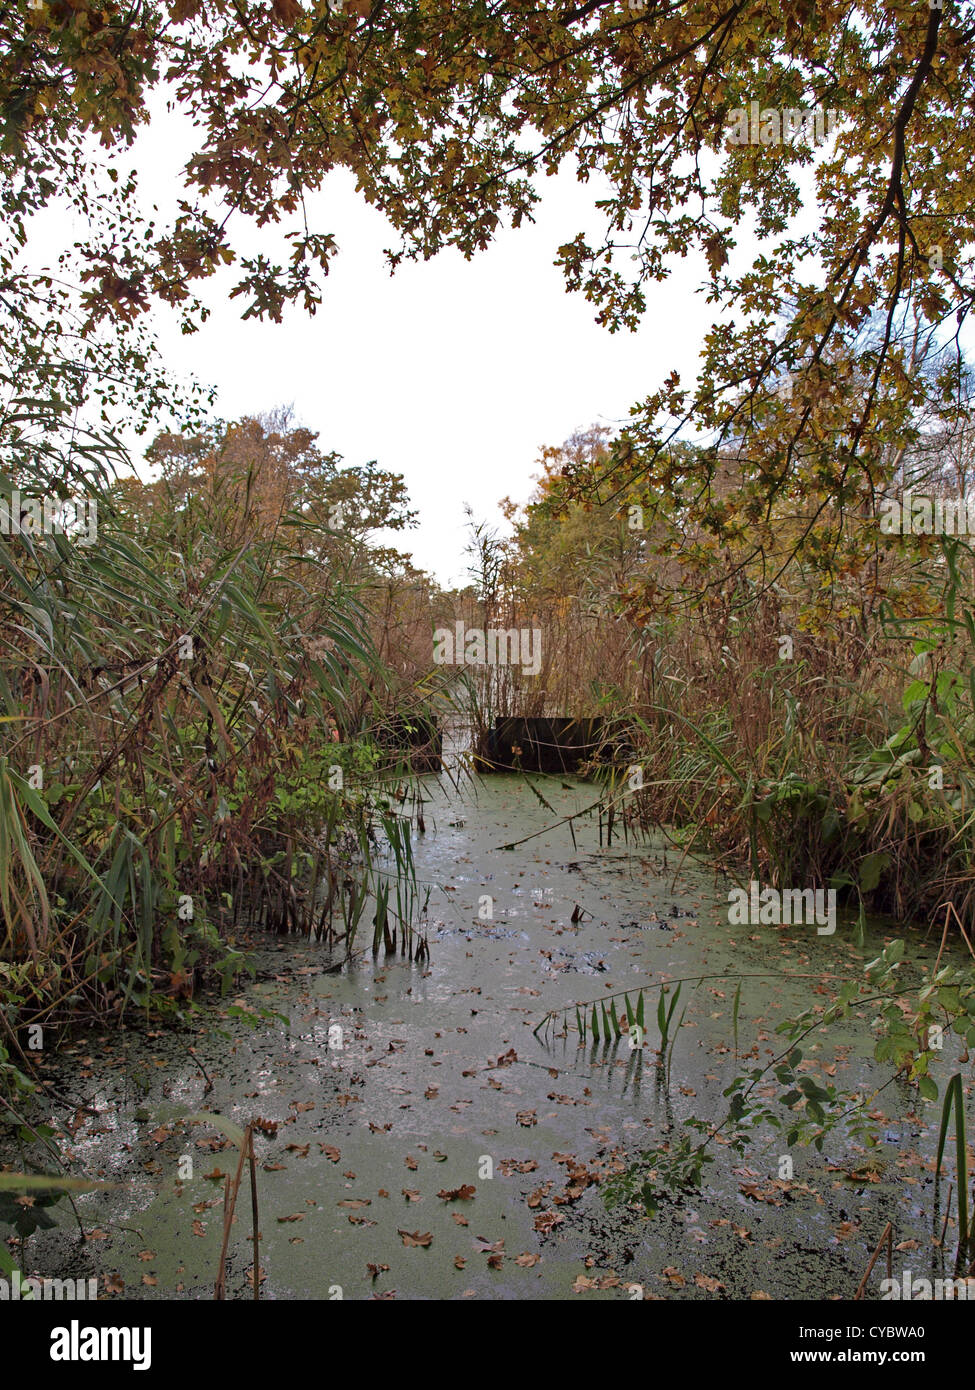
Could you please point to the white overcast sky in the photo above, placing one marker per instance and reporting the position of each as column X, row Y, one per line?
column 451, row 372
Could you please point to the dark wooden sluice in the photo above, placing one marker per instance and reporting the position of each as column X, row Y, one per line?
column 542, row 745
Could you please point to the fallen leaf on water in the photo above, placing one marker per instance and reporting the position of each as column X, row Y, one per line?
column 411, row 1238
column 706, row 1281
column 759, row 1194
column 514, row 1165
column 526, row 1260
column 545, row 1220
column 457, row 1194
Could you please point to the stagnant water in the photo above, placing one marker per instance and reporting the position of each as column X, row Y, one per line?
column 440, row 1079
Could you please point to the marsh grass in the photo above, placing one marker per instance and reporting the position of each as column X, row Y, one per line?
column 954, row 1102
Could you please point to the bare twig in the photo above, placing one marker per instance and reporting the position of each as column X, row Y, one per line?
column 887, row 1236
